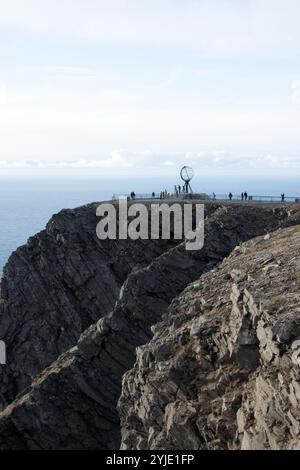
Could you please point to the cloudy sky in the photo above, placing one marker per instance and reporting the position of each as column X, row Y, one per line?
column 112, row 85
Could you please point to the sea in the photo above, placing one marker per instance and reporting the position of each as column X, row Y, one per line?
column 26, row 204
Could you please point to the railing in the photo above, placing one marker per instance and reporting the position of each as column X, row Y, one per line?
column 217, row 197
column 137, row 196
column 225, row 197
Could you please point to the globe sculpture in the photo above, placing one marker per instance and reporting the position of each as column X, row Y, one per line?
column 187, row 174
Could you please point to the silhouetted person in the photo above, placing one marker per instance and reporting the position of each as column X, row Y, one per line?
column 214, row 196
column 179, row 188
column 245, row 196
column 132, row 195
column 282, row 197
column 242, row 196
column 153, row 194
column 230, row 196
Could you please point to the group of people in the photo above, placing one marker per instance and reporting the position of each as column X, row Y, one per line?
column 178, row 190
column 244, row 196
column 164, row 194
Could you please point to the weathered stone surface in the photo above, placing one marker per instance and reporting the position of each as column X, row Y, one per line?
column 72, row 403
column 85, row 383
column 233, row 382
column 63, row 280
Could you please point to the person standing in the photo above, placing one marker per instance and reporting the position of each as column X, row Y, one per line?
column 230, row 196
column 242, row 196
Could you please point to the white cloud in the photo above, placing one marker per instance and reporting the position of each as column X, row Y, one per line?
column 213, row 27
column 140, row 161
column 223, row 159
column 52, row 111
column 3, row 93
column 69, row 73
column 296, row 92
column 174, row 76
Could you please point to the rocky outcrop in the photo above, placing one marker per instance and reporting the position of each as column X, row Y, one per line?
column 222, row 370
column 63, row 280
column 72, row 403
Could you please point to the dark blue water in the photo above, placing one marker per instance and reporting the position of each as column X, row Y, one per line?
column 27, row 204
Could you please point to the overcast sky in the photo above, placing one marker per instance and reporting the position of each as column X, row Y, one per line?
column 115, row 85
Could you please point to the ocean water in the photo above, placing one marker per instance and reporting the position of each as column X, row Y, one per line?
column 26, row 204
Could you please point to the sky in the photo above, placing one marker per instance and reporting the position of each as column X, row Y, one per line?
column 122, row 87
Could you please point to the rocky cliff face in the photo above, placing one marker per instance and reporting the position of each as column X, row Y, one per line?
column 222, row 370
column 65, row 281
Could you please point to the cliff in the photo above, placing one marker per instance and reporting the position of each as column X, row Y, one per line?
column 59, row 283
column 74, row 310
column 222, row 370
